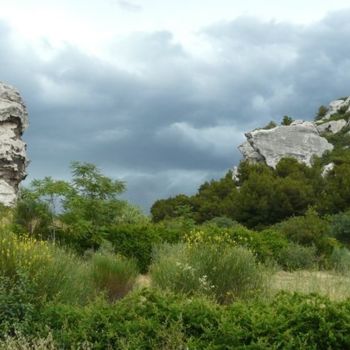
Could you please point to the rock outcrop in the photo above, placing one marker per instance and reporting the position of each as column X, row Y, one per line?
column 13, row 158
column 298, row 140
column 301, row 140
column 327, row 169
column 337, row 105
column 333, row 126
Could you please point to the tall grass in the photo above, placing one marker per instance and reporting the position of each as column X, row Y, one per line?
column 54, row 274
column 330, row 284
column 113, row 274
column 222, row 272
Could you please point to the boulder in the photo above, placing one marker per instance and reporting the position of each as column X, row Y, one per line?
column 300, row 140
column 333, row 126
column 327, row 169
column 334, row 107
column 13, row 158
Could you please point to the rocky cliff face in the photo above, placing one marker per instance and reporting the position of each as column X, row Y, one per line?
column 13, row 158
column 301, row 140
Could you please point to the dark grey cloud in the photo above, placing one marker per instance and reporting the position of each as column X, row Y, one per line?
column 162, row 119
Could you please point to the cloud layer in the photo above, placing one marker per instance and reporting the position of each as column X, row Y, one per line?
column 162, row 118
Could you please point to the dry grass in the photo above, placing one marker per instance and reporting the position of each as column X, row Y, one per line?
column 143, row 281
column 329, row 283
column 335, row 286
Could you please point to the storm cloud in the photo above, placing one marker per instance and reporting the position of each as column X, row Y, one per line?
column 158, row 116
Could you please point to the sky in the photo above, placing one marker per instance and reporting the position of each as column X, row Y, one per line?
column 159, row 93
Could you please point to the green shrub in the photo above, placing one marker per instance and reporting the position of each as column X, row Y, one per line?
column 137, row 241
column 54, row 273
column 268, row 244
column 309, row 229
column 287, row 120
column 265, row 244
column 270, row 125
column 340, row 227
column 340, row 260
column 151, row 319
column 322, row 111
column 113, row 274
column 19, row 341
column 222, row 222
column 296, row 257
column 218, row 271
column 17, row 304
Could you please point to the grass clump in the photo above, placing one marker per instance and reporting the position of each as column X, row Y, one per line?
column 113, row 274
column 340, row 260
column 222, row 272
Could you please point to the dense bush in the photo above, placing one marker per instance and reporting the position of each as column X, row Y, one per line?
column 340, row 227
column 296, row 257
column 150, row 319
column 265, row 244
column 137, row 241
column 309, row 229
column 17, row 303
column 265, row 195
column 215, row 270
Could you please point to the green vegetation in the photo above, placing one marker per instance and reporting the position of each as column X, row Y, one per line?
column 287, row 120
column 322, row 111
column 270, row 125
column 216, row 270
column 232, row 266
column 113, row 274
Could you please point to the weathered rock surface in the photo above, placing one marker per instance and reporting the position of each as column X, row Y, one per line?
column 300, row 140
column 250, row 153
column 334, row 106
column 327, row 169
column 13, row 158
column 333, row 126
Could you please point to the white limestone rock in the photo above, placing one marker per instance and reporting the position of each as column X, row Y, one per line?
column 299, row 140
column 334, row 107
column 327, row 169
column 249, row 153
column 13, row 158
column 333, row 126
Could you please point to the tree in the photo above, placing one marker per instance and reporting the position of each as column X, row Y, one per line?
column 79, row 211
column 173, row 207
column 51, row 192
column 287, row 120
column 215, row 199
column 92, row 204
column 32, row 214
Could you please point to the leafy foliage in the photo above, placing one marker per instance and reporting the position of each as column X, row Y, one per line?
column 295, row 256
column 150, row 319
column 287, row 120
column 216, row 270
column 322, row 111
